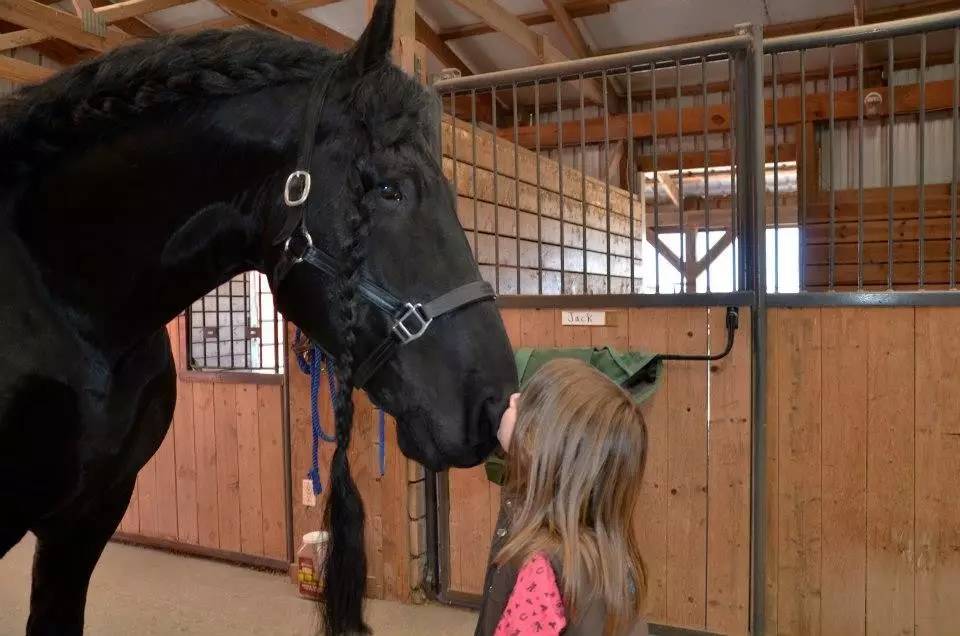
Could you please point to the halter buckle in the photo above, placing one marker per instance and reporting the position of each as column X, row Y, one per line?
column 298, row 258
column 409, row 334
column 303, row 178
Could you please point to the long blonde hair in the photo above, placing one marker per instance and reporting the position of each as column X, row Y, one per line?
column 574, row 467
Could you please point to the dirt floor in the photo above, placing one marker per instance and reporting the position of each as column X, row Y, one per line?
column 148, row 592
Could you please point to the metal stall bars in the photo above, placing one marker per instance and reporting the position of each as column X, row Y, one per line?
column 553, row 190
column 875, row 218
column 549, row 235
column 236, row 327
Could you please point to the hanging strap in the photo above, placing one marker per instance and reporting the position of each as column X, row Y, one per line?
column 310, row 362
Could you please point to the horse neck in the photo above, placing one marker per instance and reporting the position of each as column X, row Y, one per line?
column 128, row 233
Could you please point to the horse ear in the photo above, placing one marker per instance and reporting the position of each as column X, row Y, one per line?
column 374, row 46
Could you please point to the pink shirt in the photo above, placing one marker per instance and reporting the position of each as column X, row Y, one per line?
column 535, row 607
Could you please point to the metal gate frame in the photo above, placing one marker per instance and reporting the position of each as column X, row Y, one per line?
column 742, row 48
column 747, row 49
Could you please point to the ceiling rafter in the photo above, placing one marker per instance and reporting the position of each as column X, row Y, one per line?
column 57, row 24
column 231, row 21
column 22, row 72
column 111, row 13
column 529, row 40
column 575, row 8
column 436, row 45
column 570, row 29
column 283, row 19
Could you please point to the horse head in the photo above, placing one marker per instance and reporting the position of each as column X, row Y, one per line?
column 408, row 317
column 380, row 207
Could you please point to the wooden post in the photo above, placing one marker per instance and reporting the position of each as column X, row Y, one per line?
column 690, row 269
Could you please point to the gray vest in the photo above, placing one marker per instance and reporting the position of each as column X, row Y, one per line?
column 498, row 585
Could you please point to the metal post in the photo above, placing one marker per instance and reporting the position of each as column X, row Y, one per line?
column 751, row 155
column 287, row 443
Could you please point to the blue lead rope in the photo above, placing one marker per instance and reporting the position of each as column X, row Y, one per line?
column 311, row 364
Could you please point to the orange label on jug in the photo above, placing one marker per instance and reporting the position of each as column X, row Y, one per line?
column 308, row 578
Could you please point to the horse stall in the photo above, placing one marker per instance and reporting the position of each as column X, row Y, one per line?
column 800, row 484
column 801, row 460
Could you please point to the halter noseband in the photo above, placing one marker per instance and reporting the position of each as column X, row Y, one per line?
column 409, row 320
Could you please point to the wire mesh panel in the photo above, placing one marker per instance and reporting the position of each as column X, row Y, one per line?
column 236, row 327
column 868, row 120
column 618, row 177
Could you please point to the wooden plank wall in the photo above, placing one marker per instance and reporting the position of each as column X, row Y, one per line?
column 877, row 214
column 217, row 480
column 384, row 497
column 863, row 460
column 495, row 199
column 693, row 515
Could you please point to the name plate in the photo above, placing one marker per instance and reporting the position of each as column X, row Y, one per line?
column 583, row 318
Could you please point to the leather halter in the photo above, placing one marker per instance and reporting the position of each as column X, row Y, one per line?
column 409, row 319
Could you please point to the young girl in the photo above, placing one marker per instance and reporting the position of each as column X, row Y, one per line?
column 564, row 559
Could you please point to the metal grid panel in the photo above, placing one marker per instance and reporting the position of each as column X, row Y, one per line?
column 560, row 196
column 236, row 327
column 876, row 114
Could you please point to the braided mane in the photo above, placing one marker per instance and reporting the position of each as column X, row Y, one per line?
column 102, row 96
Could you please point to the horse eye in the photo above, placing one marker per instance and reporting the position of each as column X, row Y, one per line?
column 390, row 192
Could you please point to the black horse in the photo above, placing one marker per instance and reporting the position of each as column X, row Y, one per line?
column 132, row 185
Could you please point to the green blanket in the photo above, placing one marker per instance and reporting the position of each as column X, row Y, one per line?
column 639, row 373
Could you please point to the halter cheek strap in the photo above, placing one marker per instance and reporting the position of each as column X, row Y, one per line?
column 409, row 320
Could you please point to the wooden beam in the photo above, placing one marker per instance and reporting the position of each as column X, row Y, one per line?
column 232, row 22
column 615, row 159
column 576, row 9
column 79, row 6
column 21, row 72
column 438, row 47
column 111, row 13
column 689, row 247
column 939, row 97
column 713, row 253
column 718, row 157
column 529, row 40
column 570, row 29
column 133, row 26
column 58, row 24
column 859, row 11
column 283, row 19
column 669, row 187
column 654, row 239
column 575, row 36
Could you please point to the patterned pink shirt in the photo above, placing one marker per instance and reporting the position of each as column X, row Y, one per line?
column 535, row 607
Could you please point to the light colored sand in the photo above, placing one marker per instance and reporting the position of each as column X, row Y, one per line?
column 148, row 592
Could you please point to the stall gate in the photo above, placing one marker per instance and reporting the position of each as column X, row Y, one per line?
column 805, row 483
column 693, row 518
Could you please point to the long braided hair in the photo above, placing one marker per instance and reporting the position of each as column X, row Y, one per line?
column 345, row 572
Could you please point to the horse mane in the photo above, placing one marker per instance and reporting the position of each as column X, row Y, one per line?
column 102, row 97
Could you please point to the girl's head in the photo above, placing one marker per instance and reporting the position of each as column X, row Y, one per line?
column 575, row 460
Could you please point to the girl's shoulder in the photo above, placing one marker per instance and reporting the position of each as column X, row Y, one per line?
column 535, row 605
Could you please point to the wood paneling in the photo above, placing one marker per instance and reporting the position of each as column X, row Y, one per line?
column 862, row 520
column 696, row 550
column 728, row 475
column 937, row 469
column 845, row 399
column 217, row 479
column 883, row 234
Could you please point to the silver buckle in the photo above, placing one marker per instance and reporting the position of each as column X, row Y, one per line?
column 406, row 334
column 306, row 236
column 304, row 192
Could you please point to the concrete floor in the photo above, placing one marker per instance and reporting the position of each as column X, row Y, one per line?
column 148, row 592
